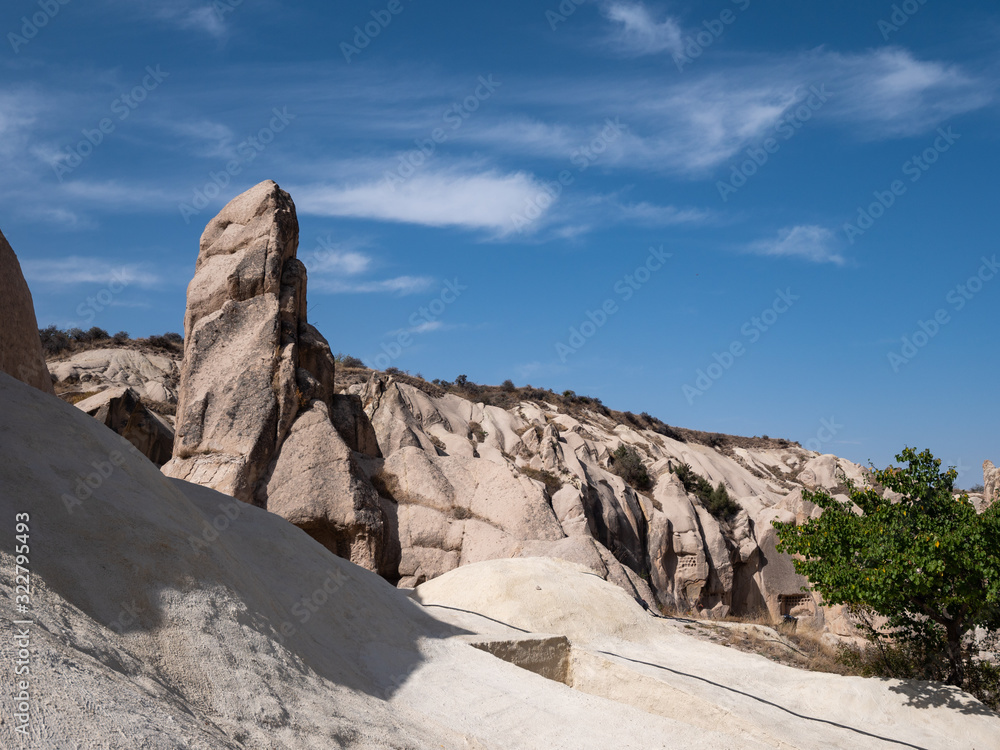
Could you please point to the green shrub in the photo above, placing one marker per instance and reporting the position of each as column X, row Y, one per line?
column 716, row 501
column 627, row 463
column 348, row 361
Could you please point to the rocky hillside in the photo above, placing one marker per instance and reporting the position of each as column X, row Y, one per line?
column 166, row 615
column 412, row 479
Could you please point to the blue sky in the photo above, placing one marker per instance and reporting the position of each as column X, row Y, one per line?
column 758, row 218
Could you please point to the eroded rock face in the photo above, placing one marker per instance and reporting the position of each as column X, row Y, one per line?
column 256, row 385
column 152, row 376
column 122, row 410
column 20, row 348
column 991, row 483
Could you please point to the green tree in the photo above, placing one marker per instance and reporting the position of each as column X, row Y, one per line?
column 920, row 558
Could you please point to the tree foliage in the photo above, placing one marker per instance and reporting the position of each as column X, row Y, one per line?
column 917, row 556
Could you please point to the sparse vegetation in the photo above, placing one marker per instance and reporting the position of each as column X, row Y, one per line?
column 345, row 360
column 552, row 483
column 716, row 501
column 439, row 444
column 476, row 432
column 627, row 463
column 568, row 402
column 57, row 341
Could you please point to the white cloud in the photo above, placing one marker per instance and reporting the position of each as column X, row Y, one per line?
column 74, row 270
column 401, row 285
column 638, row 33
column 690, row 126
column 807, row 242
column 654, row 215
column 484, row 200
column 891, row 93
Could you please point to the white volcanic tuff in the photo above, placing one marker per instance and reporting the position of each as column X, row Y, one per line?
column 152, row 376
column 167, row 615
column 620, row 652
column 692, row 559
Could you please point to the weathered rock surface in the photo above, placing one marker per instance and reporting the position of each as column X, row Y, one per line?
column 461, row 483
column 256, row 385
column 20, row 348
column 991, row 483
column 122, row 410
column 154, row 377
column 168, row 615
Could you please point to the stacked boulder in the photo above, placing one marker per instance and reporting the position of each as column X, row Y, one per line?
column 256, row 408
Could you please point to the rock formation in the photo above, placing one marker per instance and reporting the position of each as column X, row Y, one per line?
column 20, row 349
column 467, row 481
column 152, row 376
column 256, row 405
column 414, row 482
column 122, row 410
column 167, row 615
column 991, row 483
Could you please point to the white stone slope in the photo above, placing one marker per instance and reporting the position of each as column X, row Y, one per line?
column 167, row 615
column 620, row 652
column 458, row 473
column 150, row 628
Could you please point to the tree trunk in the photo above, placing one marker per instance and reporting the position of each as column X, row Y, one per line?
column 956, row 674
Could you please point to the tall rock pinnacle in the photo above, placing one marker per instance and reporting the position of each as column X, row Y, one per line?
column 257, row 384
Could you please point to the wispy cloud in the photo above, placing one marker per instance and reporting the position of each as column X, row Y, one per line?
column 805, row 242
column 75, row 270
column 197, row 15
column 401, row 285
column 484, row 200
column 891, row 93
column 637, row 32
